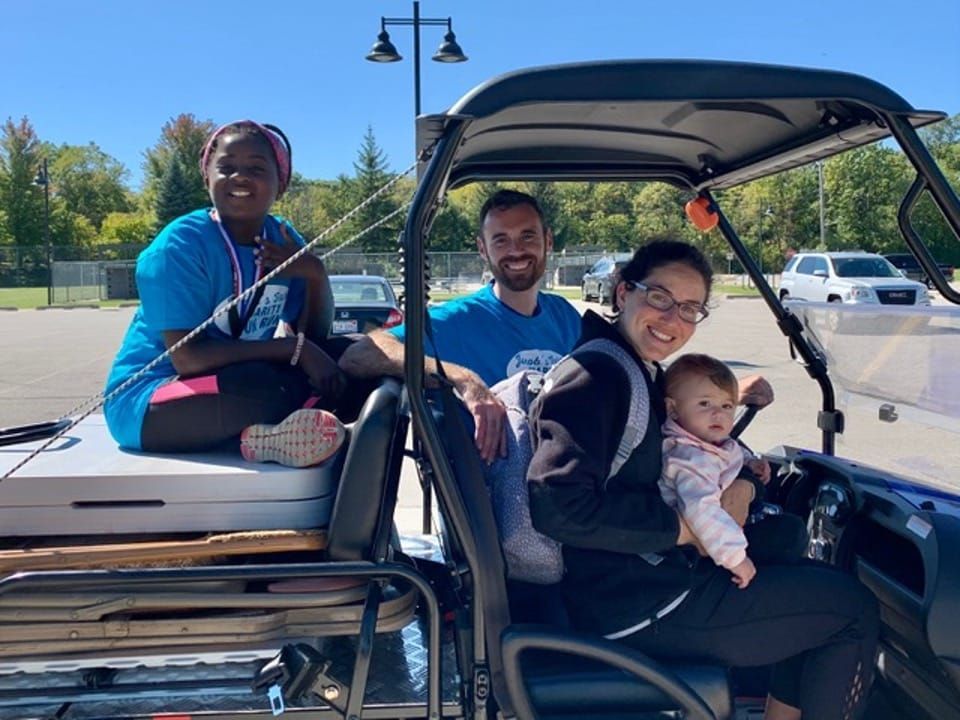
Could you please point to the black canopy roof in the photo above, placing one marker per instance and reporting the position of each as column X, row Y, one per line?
column 700, row 124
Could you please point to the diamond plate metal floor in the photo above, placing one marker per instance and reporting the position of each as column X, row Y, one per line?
column 397, row 685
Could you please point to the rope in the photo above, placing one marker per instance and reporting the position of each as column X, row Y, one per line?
column 98, row 400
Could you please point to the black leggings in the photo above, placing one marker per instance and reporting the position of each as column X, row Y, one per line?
column 817, row 625
column 247, row 393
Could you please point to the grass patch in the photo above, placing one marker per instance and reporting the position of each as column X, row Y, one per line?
column 735, row 290
column 23, row 297
column 27, row 298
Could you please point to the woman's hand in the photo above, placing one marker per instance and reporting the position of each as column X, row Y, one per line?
column 323, row 373
column 736, row 500
column 686, row 537
column 271, row 254
column 755, row 390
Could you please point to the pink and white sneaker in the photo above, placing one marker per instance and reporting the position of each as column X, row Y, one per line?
column 305, row 437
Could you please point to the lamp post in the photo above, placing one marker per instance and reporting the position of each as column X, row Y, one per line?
column 384, row 51
column 823, row 223
column 43, row 178
column 766, row 212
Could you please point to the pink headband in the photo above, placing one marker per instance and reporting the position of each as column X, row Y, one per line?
column 281, row 153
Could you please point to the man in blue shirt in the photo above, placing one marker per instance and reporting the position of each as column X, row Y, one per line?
column 504, row 327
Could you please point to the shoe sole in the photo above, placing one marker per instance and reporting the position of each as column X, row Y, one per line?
column 305, row 437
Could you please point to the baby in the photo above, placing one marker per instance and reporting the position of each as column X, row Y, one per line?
column 700, row 459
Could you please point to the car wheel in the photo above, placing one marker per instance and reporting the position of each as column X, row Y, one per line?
column 833, row 316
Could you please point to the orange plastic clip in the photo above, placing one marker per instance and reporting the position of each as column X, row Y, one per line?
column 701, row 214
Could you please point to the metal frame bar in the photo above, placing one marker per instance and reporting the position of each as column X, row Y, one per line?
column 430, row 189
column 916, row 244
column 519, row 640
column 789, row 325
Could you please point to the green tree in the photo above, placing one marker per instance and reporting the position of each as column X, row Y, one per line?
column 311, row 205
column 659, row 212
column 90, row 182
column 181, row 138
column 127, row 228
column 452, row 229
column 21, row 200
column 175, row 194
column 863, row 189
column 371, row 174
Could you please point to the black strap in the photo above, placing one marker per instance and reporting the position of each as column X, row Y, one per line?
column 237, row 323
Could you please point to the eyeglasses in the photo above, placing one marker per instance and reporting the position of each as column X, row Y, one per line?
column 660, row 299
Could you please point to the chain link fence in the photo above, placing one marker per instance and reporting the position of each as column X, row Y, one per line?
column 106, row 272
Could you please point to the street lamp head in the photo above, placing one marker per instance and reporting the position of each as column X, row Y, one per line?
column 383, row 51
column 449, row 51
column 42, row 179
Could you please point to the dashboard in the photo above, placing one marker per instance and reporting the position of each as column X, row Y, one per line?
column 903, row 542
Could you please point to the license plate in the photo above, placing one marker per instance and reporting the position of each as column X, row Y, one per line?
column 344, row 326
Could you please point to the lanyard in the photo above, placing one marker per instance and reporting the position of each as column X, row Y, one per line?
column 239, row 315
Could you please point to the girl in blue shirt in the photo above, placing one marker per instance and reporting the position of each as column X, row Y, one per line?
column 237, row 378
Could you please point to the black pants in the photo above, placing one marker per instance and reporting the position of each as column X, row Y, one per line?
column 815, row 624
column 777, row 540
column 248, row 393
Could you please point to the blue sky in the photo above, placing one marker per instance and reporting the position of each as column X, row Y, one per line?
column 113, row 71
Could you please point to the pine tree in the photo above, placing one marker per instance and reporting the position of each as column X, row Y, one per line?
column 371, row 174
column 175, row 194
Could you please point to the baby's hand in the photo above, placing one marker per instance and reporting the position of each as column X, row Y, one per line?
column 743, row 573
column 760, row 468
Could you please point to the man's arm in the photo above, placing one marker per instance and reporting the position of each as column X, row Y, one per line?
column 380, row 353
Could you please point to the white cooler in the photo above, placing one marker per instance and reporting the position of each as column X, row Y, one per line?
column 85, row 485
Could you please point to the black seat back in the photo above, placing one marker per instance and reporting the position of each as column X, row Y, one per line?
column 363, row 509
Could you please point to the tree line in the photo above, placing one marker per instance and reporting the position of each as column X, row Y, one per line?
column 91, row 202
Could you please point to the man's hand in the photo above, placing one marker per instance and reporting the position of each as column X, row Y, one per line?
column 743, row 573
column 755, row 390
column 736, row 500
column 489, row 417
column 322, row 372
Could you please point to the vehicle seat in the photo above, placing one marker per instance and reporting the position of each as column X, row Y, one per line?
column 567, row 680
column 362, row 513
column 368, row 293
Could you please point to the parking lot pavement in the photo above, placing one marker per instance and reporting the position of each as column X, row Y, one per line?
column 52, row 360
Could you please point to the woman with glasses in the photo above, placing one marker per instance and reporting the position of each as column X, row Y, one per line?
column 634, row 570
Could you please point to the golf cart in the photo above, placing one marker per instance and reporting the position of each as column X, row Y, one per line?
column 465, row 651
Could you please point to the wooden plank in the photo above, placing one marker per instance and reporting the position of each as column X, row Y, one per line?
column 175, row 552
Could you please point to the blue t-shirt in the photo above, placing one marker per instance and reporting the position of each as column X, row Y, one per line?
column 483, row 334
column 183, row 276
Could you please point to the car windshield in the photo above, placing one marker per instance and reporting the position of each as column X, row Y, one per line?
column 354, row 291
column 863, row 267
